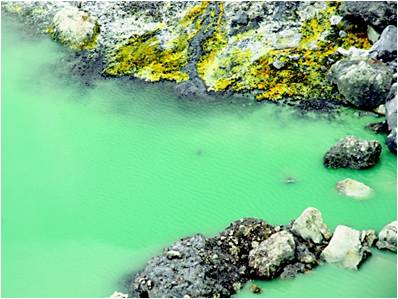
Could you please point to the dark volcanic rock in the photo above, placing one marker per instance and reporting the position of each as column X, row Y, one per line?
column 365, row 83
column 377, row 13
column 379, row 127
column 351, row 152
column 187, row 268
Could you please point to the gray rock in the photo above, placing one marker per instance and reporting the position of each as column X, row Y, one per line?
column 363, row 82
column 388, row 237
column 353, row 188
column 291, row 270
column 352, row 152
column 310, row 226
column 373, row 36
column 377, row 13
column 391, row 117
column 269, row 257
column 346, row 249
column 386, row 47
column 204, row 271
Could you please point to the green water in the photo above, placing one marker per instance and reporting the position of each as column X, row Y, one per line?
column 97, row 180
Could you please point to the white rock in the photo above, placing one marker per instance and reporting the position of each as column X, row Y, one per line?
column 345, row 248
column 74, row 27
column 353, row 188
column 270, row 255
column 118, row 295
column 380, row 110
column 310, row 226
column 388, row 237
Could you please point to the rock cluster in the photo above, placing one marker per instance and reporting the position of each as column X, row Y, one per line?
column 250, row 248
column 352, row 152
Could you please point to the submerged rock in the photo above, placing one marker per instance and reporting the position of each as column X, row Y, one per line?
column 118, row 295
column 255, row 289
column 346, row 248
column 353, row 188
column 363, row 82
column 388, row 237
column 352, row 152
column 310, row 226
column 268, row 258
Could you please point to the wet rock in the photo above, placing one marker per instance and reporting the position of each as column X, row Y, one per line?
column 269, row 257
column 346, row 249
column 379, row 127
column 391, row 117
column 353, row 188
column 352, row 152
column 388, row 237
column 238, row 239
column 304, row 255
column 74, row 27
column 255, row 289
column 381, row 110
column 363, row 82
column 377, row 13
column 291, row 270
column 197, row 274
column 386, row 47
column 310, row 226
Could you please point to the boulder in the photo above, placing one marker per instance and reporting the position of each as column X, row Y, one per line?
column 364, row 82
column 352, row 152
column 377, row 13
column 74, row 28
column 310, row 226
column 346, row 249
column 391, row 117
column 353, row 188
column 388, row 237
column 386, row 46
column 270, row 256
column 190, row 267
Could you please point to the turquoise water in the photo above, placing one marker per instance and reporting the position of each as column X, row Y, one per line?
column 95, row 180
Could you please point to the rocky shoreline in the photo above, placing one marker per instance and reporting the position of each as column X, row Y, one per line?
column 303, row 52
column 250, row 248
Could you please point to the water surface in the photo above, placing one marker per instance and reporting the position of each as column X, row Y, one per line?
column 97, row 179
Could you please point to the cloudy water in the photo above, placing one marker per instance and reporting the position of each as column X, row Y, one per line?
column 97, row 179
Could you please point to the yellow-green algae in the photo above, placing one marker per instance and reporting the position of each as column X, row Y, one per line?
column 143, row 56
column 234, row 69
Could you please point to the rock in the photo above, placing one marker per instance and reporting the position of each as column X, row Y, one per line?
column 310, row 226
column 391, row 117
column 255, row 289
column 352, row 152
column 363, row 82
column 353, row 188
column 373, row 35
column 386, row 47
column 238, row 238
column 379, row 127
column 304, row 255
column 388, row 237
column 75, row 28
column 118, row 295
column 269, row 257
column 381, row 110
column 197, row 274
column 345, row 248
column 377, row 13
column 291, row 270
column 173, row 254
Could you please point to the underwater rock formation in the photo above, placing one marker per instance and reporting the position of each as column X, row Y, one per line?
column 352, row 152
column 353, row 188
